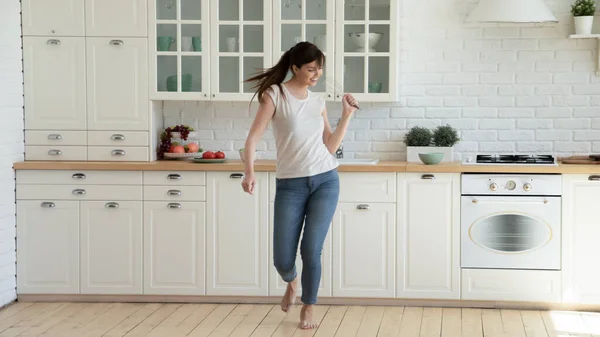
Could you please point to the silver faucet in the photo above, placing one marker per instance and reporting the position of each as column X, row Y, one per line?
column 339, row 153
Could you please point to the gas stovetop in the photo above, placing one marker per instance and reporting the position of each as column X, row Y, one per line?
column 510, row 159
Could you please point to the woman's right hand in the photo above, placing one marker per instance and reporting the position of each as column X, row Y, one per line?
column 249, row 183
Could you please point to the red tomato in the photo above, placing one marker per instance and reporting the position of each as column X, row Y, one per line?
column 219, row 155
column 208, row 155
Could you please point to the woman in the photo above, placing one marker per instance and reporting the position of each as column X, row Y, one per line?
column 307, row 179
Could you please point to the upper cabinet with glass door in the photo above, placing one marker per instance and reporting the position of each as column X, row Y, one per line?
column 180, row 52
column 306, row 20
column 241, row 46
column 366, row 49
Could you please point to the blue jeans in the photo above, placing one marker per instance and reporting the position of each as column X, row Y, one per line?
column 311, row 201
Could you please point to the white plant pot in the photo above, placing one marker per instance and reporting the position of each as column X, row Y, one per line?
column 583, row 25
column 412, row 153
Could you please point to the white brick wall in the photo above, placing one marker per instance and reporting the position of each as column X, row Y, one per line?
column 11, row 138
column 508, row 87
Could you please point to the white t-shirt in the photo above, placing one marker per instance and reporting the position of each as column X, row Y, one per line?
column 298, row 128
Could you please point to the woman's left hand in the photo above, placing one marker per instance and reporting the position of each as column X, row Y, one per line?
column 349, row 104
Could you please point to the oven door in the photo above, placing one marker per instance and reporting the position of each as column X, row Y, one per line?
column 510, row 232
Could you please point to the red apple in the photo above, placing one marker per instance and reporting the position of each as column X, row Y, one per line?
column 178, row 149
column 220, row 155
column 208, row 155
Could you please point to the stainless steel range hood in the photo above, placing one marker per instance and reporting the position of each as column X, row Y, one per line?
column 511, row 11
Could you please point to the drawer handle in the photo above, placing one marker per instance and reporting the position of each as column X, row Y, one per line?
column 236, row 176
column 118, row 152
column 80, row 176
column 117, row 137
column 428, row 177
column 79, row 191
column 54, row 41
column 47, row 204
column 112, row 205
column 174, row 177
column 363, row 207
column 174, row 192
column 55, row 152
column 54, row 136
column 174, row 205
column 116, row 42
column 594, row 178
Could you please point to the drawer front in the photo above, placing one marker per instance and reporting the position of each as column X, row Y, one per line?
column 175, row 178
column 117, row 139
column 170, row 193
column 55, row 138
column 62, row 177
column 109, row 153
column 78, row 192
column 56, row 153
column 367, row 187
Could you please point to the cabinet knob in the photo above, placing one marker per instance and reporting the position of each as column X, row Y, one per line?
column 54, row 136
column 174, row 192
column 236, row 176
column 428, row 177
column 118, row 152
column 111, row 205
column 79, row 191
column 53, row 41
column 117, row 137
column 80, row 176
column 174, row 177
column 55, row 152
column 174, row 205
column 47, row 204
column 116, row 42
column 594, row 178
column 363, row 207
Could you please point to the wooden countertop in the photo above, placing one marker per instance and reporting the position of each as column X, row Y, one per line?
column 269, row 166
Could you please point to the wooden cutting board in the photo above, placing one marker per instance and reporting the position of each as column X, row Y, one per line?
column 585, row 160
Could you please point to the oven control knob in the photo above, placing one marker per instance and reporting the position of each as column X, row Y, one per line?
column 527, row 187
column 493, row 187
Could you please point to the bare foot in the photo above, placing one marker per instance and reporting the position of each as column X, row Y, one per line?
column 306, row 317
column 289, row 298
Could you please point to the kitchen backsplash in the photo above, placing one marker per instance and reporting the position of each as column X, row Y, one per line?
column 507, row 88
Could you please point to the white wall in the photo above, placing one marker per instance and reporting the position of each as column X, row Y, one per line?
column 507, row 88
column 11, row 138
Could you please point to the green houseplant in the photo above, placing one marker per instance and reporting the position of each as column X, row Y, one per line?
column 420, row 140
column 583, row 15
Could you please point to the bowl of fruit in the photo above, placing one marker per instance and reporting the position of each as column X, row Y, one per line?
column 211, row 157
column 174, row 143
column 178, row 151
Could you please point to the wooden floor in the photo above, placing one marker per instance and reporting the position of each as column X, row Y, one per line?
column 173, row 320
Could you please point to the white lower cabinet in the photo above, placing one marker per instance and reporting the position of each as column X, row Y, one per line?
column 237, row 241
column 111, row 247
column 581, row 234
column 511, row 285
column 47, row 247
column 174, row 243
column 364, row 237
column 428, row 236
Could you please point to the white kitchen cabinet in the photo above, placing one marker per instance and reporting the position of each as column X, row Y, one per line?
column 117, row 84
column 580, row 233
column 53, row 18
column 54, row 77
column 428, row 235
column 47, row 247
column 174, row 248
column 237, row 235
column 364, row 250
column 111, row 247
column 122, row 18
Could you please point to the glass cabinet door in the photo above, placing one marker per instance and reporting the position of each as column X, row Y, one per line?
column 366, row 48
column 306, row 20
column 180, row 49
column 241, row 46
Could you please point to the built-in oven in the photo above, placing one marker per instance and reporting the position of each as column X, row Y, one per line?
column 511, row 221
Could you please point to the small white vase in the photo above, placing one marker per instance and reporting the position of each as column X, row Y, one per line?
column 583, row 25
column 412, row 153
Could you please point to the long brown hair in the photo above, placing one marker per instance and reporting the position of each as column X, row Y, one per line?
column 300, row 54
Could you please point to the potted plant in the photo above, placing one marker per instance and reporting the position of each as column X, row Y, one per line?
column 583, row 14
column 424, row 141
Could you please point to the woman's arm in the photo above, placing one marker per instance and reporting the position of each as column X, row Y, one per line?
column 265, row 112
column 333, row 139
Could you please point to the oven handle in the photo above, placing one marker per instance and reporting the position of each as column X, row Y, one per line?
column 476, row 201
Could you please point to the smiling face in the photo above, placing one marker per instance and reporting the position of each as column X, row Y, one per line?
column 309, row 73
